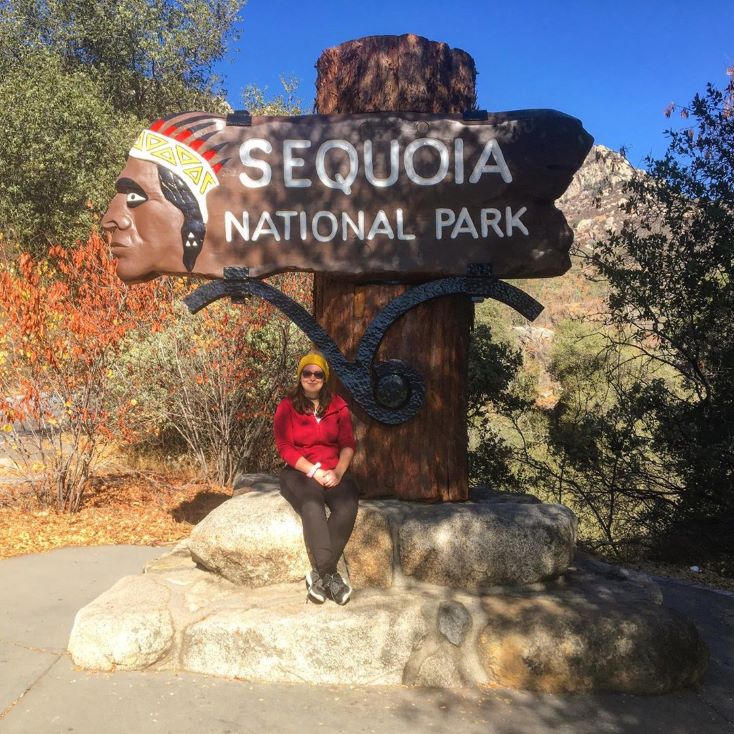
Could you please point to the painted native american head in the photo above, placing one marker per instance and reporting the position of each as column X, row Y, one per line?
column 157, row 220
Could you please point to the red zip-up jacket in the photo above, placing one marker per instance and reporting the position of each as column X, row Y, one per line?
column 298, row 434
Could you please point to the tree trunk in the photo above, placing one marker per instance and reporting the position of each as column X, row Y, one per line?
column 425, row 458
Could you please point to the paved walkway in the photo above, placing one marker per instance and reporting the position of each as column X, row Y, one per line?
column 42, row 693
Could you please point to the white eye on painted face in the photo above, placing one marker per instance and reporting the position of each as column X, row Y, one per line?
column 134, row 199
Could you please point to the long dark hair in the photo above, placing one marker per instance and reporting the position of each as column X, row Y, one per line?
column 193, row 229
column 303, row 405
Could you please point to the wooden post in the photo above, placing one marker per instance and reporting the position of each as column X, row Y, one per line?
column 425, row 458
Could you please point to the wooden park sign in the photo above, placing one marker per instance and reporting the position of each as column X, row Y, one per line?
column 400, row 197
column 379, row 196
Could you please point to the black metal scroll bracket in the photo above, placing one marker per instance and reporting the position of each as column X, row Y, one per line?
column 391, row 392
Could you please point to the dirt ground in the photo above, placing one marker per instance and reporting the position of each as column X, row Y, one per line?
column 135, row 508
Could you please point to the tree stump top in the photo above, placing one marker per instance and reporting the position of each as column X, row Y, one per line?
column 408, row 73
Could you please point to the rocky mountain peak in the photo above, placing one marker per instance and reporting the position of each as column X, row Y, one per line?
column 603, row 169
column 591, row 203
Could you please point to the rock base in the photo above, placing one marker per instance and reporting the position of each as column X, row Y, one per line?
column 255, row 539
column 593, row 629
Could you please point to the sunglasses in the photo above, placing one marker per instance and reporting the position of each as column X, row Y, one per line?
column 318, row 374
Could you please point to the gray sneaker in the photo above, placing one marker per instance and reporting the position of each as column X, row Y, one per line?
column 315, row 586
column 337, row 588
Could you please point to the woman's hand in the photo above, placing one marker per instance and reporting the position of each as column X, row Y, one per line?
column 320, row 477
column 331, row 478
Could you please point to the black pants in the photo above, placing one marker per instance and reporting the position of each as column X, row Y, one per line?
column 325, row 539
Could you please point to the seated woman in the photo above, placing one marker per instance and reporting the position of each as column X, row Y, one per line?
column 313, row 434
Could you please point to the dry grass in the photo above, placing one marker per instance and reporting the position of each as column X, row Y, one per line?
column 131, row 508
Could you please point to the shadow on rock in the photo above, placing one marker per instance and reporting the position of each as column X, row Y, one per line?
column 195, row 510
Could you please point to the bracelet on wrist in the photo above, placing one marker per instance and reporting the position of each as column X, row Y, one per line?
column 314, row 469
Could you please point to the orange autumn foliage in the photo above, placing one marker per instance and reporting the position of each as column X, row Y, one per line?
column 63, row 320
column 87, row 362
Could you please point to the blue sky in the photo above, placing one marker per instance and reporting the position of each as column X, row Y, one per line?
column 615, row 65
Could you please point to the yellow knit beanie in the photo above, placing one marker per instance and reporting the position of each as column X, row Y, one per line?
column 313, row 358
